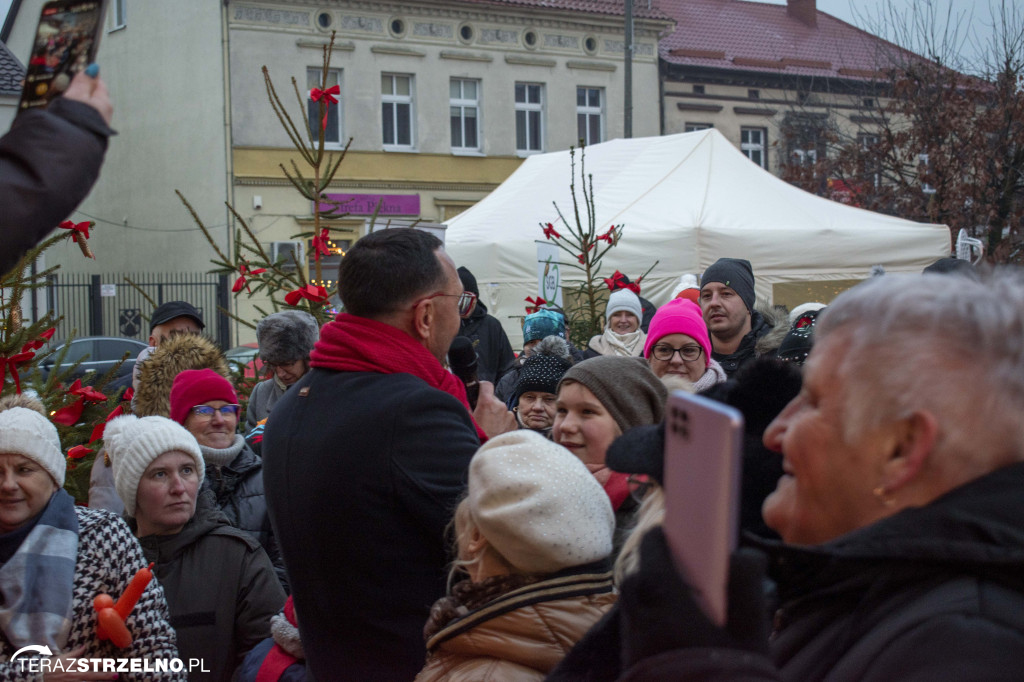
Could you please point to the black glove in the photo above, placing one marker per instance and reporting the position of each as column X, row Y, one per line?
column 660, row 614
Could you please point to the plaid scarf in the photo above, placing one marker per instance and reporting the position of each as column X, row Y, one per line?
column 36, row 583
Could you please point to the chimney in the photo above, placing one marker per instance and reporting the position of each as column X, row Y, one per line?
column 803, row 11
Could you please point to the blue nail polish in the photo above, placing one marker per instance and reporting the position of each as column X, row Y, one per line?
column 92, row 70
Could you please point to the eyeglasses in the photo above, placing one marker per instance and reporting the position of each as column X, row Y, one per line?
column 688, row 353
column 205, row 412
column 638, row 484
column 467, row 299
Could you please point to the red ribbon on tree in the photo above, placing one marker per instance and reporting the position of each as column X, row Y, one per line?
column 320, row 245
column 97, row 431
column 79, row 451
column 609, row 236
column 618, row 281
column 69, row 415
column 77, row 228
column 310, row 292
column 328, row 96
column 39, row 342
column 11, row 363
column 128, row 395
column 537, row 303
column 243, row 268
column 550, row 232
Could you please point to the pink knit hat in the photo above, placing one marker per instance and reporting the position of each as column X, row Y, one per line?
column 195, row 387
column 679, row 316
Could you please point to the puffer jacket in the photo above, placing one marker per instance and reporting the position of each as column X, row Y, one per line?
column 108, row 558
column 221, row 588
column 521, row 635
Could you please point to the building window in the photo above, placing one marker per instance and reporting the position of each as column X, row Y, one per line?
column 396, row 110
column 464, row 108
column 872, row 163
column 529, row 117
column 332, row 131
column 694, row 127
column 698, row 89
column 119, row 13
column 924, row 166
column 752, row 144
column 804, row 136
column 753, row 94
column 590, row 115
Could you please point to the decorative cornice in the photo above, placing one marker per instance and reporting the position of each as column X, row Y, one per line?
column 685, row 106
column 590, row 66
column 397, row 51
column 754, row 111
column 520, row 60
column 346, row 46
column 466, row 56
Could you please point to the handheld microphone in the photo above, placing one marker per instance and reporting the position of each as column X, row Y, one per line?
column 462, row 360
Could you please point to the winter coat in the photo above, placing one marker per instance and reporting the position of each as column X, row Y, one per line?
column 238, row 490
column 174, row 355
column 931, row 594
column 49, row 161
column 363, row 472
column 521, row 635
column 108, row 558
column 220, row 586
column 494, row 351
column 768, row 327
column 264, row 396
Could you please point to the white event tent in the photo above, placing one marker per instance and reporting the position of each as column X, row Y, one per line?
column 685, row 201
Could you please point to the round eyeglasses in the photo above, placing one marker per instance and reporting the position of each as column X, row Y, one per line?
column 205, row 412
column 688, row 353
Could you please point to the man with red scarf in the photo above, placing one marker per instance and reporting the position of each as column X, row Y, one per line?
column 366, row 456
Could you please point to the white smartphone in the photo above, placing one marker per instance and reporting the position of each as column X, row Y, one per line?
column 703, row 444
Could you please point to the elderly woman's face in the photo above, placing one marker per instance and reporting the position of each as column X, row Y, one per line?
column 166, row 497
column 583, row 425
column 536, row 410
column 624, row 322
column 215, row 431
column 827, row 488
column 25, row 489
column 291, row 372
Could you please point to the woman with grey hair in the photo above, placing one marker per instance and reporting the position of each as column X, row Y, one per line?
column 286, row 340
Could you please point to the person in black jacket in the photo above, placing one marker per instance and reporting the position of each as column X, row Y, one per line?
column 727, row 301
column 220, row 585
column 900, row 510
column 366, row 458
column 49, row 161
column 495, row 357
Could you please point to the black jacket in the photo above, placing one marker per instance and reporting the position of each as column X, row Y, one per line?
column 49, row 161
column 931, row 594
column 363, row 472
column 748, row 348
column 494, row 351
column 220, row 587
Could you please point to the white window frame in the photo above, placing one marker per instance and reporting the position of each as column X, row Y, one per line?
column 394, row 100
column 924, row 161
column 462, row 103
column 526, row 108
column 866, row 141
column 696, row 127
column 118, row 14
column 749, row 147
column 587, row 112
column 313, row 74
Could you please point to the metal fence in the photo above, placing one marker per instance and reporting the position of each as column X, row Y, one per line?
column 107, row 305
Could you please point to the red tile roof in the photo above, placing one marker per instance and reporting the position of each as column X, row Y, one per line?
column 608, row 7
column 756, row 36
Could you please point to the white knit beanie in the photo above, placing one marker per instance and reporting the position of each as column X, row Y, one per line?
column 134, row 443
column 28, row 433
column 624, row 299
column 538, row 505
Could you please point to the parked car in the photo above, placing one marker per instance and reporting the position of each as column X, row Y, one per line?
column 247, row 356
column 98, row 354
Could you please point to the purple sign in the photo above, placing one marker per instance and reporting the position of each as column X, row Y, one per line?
column 366, row 204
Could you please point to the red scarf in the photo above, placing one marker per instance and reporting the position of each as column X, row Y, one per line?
column 617, row 488
column 359, row 344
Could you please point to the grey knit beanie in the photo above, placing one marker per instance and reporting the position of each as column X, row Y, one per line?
column 735, row 273
column 134, row 443
column 287, row 336
column 626, row 387
column 624, row 299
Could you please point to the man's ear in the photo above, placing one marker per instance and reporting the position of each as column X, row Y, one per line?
column 915, row 443
column 423, row 319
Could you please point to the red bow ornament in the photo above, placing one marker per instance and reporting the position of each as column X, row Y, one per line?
column 80, row 235
column 611, row 236
column 550, row 232
column 79, row 451
column 320, row 245
column 39, row 341
column 11, row 363
column 328, row 96
column 310, row 292
column 97, row 431
column 537, row 303
column 243, row 269
column 69, row 415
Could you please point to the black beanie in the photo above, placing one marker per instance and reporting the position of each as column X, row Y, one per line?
column 468, row 280
column 734, row 273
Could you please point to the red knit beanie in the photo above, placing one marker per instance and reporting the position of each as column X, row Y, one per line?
column 195, row 387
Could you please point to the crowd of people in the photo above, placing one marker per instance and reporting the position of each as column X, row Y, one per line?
column 367, row 519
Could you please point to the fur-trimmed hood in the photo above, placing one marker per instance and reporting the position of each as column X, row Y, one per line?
column 173, row 356
column 777, row 318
